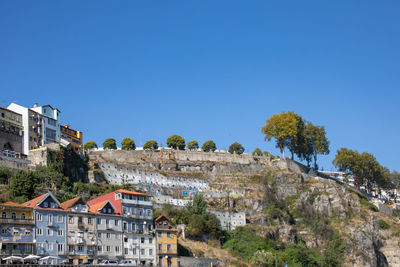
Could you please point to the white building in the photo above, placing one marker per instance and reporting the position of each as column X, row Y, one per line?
column 51, row 123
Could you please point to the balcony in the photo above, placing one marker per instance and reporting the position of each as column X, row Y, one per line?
column 16, row 221
column 136, row 202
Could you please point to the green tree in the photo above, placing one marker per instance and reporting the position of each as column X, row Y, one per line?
column 22, row 186
column 257, row 152
column 150, row 145
column 198, row 205
column 209, row 146
column 236, row 148
column 5, row 175
column 295, row 142
column 193, row 145
column 109, row 143
column 315, row 141
column 176, row 142
column 90, row 145
column 364, row 167
column 283, row 127
column 127, row 144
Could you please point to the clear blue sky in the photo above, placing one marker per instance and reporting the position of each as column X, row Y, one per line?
column 209, row 69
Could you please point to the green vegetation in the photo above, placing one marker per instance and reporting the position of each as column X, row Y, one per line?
column 364, row 201
column 150, row 145
column 209, row 146
column 90, row 145
column 236, row 148
column 127, row 144
column 257, row 152
column 176, row 142
column 193, row 145
column 5, row 175
column 109, row 143
column 383, row 225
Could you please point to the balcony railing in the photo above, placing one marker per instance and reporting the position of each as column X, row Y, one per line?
column 16, row 221
column 137, row 202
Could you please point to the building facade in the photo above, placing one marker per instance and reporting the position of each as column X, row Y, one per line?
column 74, row 137
column 16, row 230
column 167, row 242
column 32, row 123
column 51, row 123
column 11, row 130
column 81, row 232
column 50, row 225
column 136, row 213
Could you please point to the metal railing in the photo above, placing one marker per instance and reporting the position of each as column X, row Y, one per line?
column 16, row 221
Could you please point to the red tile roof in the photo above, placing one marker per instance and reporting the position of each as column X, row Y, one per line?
column 69, row 203
column 131, row 192
column 35, row 201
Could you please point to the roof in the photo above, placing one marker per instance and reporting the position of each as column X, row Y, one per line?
column 10, row 110
column 35, row 201
column 47, row 105
column 160, row 217
column 69, row 203
column 13, row 205
column 95, row 208
column 131, row 192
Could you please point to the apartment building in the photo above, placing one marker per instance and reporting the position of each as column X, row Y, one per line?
column 74, row 137
column 11, row 130
column 32, row 123
column 167, row 240
column 108, row 230
column 16, row 230
column 135, row 210
column 51, row 123
column 50, row 225
column 81, row 232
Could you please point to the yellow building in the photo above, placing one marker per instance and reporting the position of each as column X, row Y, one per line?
column 16, row 230
column 75, row 138
column 167, row 242
column 11, row 130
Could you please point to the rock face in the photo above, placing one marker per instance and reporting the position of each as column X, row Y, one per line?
column 244, row 184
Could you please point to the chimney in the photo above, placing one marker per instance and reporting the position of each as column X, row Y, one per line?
column 35, row 105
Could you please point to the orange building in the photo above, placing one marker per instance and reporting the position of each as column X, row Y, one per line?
column 167, row 242
column 75, row 138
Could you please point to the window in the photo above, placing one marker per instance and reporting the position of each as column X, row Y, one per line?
column 117, row 249
column 134, row 251
column 45, row 204
column 109, row 210
column 150, row 252
column 39, row 217
column 27, row 232
column 126, row 251
column 80, row 248
column 99, row 248
column 116, row 223
column 39, row 231
column 71, row 248
column 70, row 219
column 98, row 221
column 13, row 216
column 60, row 248
column 108, row 235
column 49, row 232
column 116, row 236
column 60, row 232
column 124, row 211
column 125, row 226
column 15, row 232
column 150, row 240
column 125, row 239
column 159, row 234
column 50, row 218
column 89, row 220
column 142, row 240
column 60, row 219
column 108, row 248
column 142, row 251
column 168, row 234
column 168, row 247
column 4, row 215
column 50, row 246
column 99, row 235
column 148, row 213
column 23, row 217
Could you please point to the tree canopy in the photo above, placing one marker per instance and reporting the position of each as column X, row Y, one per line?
column 176, row 142
column 90, row 145
column 150, row 145
column 128, row 144
column 193, row 145
column 209, row 146
column 236, row 148
column 257, row 152
column 315, row 142
column 109, row 143
column 283, row 128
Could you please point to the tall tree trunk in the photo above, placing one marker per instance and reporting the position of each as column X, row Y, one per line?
column 283, row 152
column 315, row 161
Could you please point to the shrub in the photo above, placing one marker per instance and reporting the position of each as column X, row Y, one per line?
column 90, row 145
column 236, row 148
column 150, row 145
column 383, row 225
column 257, row 152
column 364, row 201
